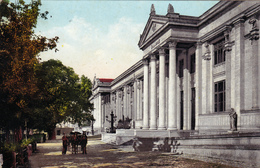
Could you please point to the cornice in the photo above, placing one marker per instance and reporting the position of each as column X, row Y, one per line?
column 128, row 71
column 144, row 43
column 216, row 10
column 198, row 22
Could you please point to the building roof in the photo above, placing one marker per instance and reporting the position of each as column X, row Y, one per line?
column 105, row 80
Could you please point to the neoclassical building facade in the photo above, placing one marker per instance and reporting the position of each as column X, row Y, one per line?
column 194, row 71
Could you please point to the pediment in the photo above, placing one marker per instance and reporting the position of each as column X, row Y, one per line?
column 153, row 26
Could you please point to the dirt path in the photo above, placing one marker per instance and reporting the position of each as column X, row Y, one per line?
column 100, row 154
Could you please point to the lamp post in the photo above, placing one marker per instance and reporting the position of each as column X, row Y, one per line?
column 113, row 119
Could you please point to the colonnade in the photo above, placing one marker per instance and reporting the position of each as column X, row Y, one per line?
column 150, row 94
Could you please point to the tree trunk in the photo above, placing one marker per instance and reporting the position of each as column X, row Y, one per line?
column 51, row 134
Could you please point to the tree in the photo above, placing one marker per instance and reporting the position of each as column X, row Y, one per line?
column 19, row 49
column 62, row 97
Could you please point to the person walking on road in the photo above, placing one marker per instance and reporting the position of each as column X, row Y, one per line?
column 74, row 141
column 64, row 143
column 84, row 141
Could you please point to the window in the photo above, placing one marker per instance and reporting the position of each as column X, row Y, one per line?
column 106, row 98
column 181, row 111
column 192, row 63
column 193, row 97
column 219, row 52
column 220, row 96
column 181, row 64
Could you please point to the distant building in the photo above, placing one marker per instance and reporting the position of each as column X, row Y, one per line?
column 101, row 100
column 194, row 72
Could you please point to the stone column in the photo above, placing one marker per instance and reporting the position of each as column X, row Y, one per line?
column 146, row 95
column 239, row 68
column 153, row 94
column 172, row 112
column 125, row 101
column 137, row 99
column 228, row 48
column 186, row 94
column 162, row 89
column 206, row 78
column 102, row 117
column 254, row 36
column 198, row 77
column 134, row 100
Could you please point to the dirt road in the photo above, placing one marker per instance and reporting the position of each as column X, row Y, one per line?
column 100, row 154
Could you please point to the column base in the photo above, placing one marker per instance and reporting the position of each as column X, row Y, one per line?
column 145, row 128
column 172, row 129
column 153, row 128
column 161, row 128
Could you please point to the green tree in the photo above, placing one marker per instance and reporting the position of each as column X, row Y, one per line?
column 63, row 96
column 19, row 49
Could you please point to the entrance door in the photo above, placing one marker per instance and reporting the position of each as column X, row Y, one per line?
column 181, row 110
column 193, row 108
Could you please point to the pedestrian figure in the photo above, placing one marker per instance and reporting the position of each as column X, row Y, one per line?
column 84, row 142
column 64, row 143
column 74, row 141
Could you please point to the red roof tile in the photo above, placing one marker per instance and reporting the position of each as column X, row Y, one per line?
column 105, row 80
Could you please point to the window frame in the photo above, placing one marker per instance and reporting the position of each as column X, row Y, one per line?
column 181, row 68
column 219, row 52
column 220, row 96
column 193, row 63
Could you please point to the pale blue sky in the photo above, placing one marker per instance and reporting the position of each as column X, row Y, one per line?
column 101, row 37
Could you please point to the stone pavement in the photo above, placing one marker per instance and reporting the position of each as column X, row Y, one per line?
column 100, row 154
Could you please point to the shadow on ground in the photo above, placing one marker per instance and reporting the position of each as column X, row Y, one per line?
column 100, row 154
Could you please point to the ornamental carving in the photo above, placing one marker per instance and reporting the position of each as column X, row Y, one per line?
column 128, row 90
column 207, row 55
column 138, row 85
column 152, row 11
column 254, row 33
column 228, row 43
column 253, row 22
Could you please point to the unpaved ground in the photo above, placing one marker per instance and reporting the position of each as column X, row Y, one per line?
column 100, row 154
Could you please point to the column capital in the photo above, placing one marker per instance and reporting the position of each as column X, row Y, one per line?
column 153, row 57
column 145, row 61
column 162, row 51
column 198, row 44
column 228, row 29
column 172, row 44
column 239, row 21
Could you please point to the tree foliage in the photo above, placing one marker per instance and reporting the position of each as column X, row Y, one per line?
column 19, row 48
column 43, row 94
column 63, row 96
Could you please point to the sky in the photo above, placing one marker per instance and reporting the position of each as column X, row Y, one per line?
column 100, row 38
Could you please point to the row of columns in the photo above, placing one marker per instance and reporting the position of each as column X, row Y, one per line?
column 172, row 111
column 123, row 104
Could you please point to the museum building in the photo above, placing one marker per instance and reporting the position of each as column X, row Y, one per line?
column 198, row 76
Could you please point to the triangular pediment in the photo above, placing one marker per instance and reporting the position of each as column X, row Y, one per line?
column 153, row 26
